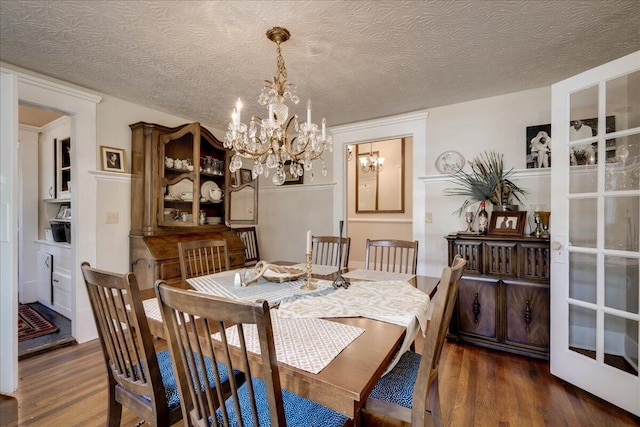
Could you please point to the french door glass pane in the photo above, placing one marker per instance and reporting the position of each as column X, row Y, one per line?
column 623, row 100
column 621, row 283
column 620, row 345
column 582, row 277
column 582, row 330
column 582, row 222
column 622, row 171
column 583, row 113
column 621, row 219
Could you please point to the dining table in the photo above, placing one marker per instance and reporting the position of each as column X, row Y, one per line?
column 345, row 381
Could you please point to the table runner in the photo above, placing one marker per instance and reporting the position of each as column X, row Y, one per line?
column 320, row 270
column 221, row 284
column 305, row 343
column 365, row 299
column 375, row 275
column 392, row 301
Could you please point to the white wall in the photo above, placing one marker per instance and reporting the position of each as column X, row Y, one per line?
column 28, row 207
column 498, row 123
column 286, row 213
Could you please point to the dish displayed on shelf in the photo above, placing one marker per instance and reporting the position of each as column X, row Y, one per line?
column 205, row 190
column 214, row 220
column 450, row 162
column 184, row 186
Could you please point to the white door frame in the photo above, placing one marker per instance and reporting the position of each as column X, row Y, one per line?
column 403, row 125
column 81, row 106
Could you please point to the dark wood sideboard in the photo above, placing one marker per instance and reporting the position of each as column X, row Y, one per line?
column 503, row 302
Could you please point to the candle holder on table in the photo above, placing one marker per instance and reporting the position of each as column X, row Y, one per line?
column 308, row 286
column 340, row 282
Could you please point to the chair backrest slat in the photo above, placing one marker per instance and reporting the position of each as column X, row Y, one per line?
column 326, row 250
column 397, row 256
column 249, row 238
column 202, row 257
column 230, row 318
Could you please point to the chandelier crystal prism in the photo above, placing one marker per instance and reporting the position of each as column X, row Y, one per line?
column 277, row 141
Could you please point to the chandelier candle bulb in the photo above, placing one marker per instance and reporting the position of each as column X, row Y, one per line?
column 308, row 114
column 238, row 109
column 324, row 128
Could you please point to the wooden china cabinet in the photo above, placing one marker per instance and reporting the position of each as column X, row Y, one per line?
column 503, row 302
column 168, row 197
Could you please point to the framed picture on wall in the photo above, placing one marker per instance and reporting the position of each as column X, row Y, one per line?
column 507, row 222
column 112, row 159
column 538, row 146
column 245, row 176
column 290, row 179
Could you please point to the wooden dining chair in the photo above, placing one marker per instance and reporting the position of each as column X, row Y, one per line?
column 259, row 401
column 249, row 238
column 202, row 257
column 397, row 256
column 137, row 377
column 410, row 391
column 325, row 250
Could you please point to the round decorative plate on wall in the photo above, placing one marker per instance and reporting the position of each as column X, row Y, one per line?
column 450, row 162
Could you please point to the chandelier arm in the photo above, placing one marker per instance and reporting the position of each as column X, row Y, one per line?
column 249, row 154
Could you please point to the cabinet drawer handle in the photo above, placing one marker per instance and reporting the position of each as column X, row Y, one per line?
column 50, row 191
column 476, row 309
column 527, row 316
column 56, row 280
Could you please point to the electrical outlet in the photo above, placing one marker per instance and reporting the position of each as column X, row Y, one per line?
column 112, row 218
column 428, row 218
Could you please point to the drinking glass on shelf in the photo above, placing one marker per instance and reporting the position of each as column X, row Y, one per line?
column 468, row 216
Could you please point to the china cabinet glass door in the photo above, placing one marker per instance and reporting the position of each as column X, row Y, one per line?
column 179, row 185
column 595, row 217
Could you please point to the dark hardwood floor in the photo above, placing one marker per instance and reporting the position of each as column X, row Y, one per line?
column 479, row 387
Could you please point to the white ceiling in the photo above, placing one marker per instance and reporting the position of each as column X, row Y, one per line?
column 356, row 60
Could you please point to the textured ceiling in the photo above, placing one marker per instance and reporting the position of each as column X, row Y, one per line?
column 356, row 60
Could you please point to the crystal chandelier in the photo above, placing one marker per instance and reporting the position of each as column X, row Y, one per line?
column 277, row 141
column 371, row 163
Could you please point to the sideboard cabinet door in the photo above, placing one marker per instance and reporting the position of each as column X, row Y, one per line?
column 477, row 308
column 527, row 315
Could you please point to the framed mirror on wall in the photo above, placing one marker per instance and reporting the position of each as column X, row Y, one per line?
column 380, row 176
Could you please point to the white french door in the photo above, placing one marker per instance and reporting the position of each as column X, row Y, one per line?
column 595, row 232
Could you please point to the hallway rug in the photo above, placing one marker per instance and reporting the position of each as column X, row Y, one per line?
column 32, row 324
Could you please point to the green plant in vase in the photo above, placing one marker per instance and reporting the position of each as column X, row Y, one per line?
column 487, row 181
